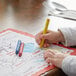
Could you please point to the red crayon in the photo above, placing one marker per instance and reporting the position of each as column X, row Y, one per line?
column 21, row 49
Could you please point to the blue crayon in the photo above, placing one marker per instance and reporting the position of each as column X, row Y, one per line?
column 18, row 46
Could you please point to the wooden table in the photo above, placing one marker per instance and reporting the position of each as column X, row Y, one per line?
column 27, row 16
column 55, row 72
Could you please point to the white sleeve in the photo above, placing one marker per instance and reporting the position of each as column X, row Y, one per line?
column 69, row 65
column 69, row 36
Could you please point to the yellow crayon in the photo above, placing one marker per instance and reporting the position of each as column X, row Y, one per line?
column 44, row 32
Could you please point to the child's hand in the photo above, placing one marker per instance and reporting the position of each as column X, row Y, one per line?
column 55, row 58
column 50, row 37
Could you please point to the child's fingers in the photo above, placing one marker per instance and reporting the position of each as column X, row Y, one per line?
column 38, row 37
column 46, row 43
column 48, row 60
column 51, row 51
column 38, row 40
column 51, row 60
column 47, row 54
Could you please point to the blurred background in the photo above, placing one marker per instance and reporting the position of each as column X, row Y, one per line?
column 29, row 15
column 22, row 14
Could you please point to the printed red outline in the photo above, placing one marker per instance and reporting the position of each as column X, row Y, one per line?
column 30, row 35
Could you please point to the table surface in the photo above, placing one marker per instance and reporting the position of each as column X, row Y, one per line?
column 29, row 16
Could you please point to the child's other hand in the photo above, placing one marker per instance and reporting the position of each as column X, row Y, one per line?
column 50, row 37
column 55, row 58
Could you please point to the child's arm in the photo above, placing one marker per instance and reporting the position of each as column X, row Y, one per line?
column 69, row 65
column 69, row 36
